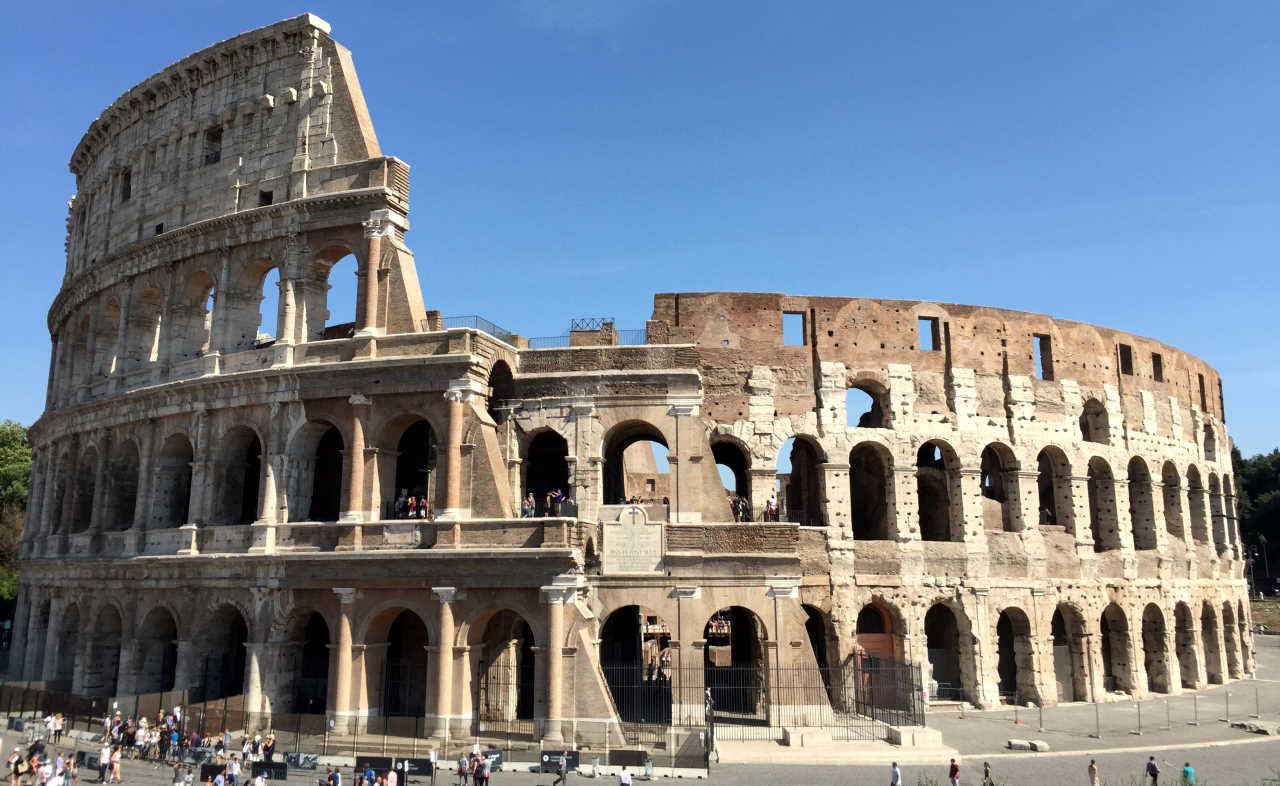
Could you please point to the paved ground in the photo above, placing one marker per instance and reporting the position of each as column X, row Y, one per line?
column 1223, row 756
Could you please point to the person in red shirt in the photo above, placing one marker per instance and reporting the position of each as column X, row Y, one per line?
column 953, row 774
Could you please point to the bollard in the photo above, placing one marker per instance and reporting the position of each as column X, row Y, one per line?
column 1016, row 722
column 1228, row 718
column 1040, row 708
column 1097, row 722
column 1138, row 731
column 1195, row 710
column 1257, row 704
column 1168, row 717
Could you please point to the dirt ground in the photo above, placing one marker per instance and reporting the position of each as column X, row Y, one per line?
column 1267, row 612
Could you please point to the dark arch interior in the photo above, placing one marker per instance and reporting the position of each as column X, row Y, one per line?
column 506, row 688
column 869, row 478
column 871, row 620
column 224, row 660
column 942, row 639
column 404, row 691
column 1114, row 643
column 733, row 662
column 502, row 388
column 802, row 493
column 311, row 690
column 1093, row 423
column 933, row 492
column 863, row 408
column 249, row 466
column 1046, row 488
column 416, row 460
column 326, row 491
column 635, row 658
column 615, row 469
column 124, row 487
column 547, row 469
column 731, row 457
column 157, row 652
column 173, row 482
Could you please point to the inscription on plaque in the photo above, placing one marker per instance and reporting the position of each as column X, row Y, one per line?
column 632, row 544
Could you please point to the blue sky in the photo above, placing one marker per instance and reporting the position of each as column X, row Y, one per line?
column 1112, row 162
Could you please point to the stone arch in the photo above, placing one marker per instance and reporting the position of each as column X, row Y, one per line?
column 222, row 640
column 1053, row 487
column 192, row 316
column 949, row 646
column 1185, row 645
column 312, row 638
column 1210, row 443
column 505, row 688
column 800, row 488
column 1116, row 650
column 102, row 672
column 1216, row 514
column 735, row 662
column 404, row 670
column 122, row 486
column 1155, row 649
column 416, row 450
column 1095, row 424
column 635, row 657
column 939, row 492
column 239, row 476
column 1142, row 510
column 85, row 489
column 1212, row 643
column 1103, row 521
column 1067, row 636
column 545, row 469
column 1231, row 640
column 1015, row 657
column 502, row 390
column 620, row 480
column 157, row 651
column 78, row 365
column 243, row 310
column 171, row 493
column 336, row 266
column 65, row 655
column 146, row 321
column 1196, row 502
column 999, row 488
column 315, row 486
column 870, row 399
column 871, row 492
column 730, row 453
column 879, row 630
column 106, row 349
column 1171, row 493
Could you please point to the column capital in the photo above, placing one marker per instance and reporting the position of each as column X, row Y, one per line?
column 346, row 595
column 683, row 410
column 783, row 588
column 558, row 593
column 448, row 594
column 461, row 390
column 359, row 400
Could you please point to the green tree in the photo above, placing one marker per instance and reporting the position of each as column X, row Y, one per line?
column 15, row 486
column 1258, row 506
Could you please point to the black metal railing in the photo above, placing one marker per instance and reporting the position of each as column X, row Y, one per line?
column 475, row 322
column 549, row 342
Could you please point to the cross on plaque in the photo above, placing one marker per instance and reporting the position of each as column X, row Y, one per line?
column 635, row 513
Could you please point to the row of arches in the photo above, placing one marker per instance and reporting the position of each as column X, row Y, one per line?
column 152, row 321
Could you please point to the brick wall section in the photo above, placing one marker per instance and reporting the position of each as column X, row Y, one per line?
column 637, row 358
column 734, row 538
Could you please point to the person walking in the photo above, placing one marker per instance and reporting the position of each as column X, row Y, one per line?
column 624, row 777
column 115, row 764
column 104, row 762
column 1093, row 773
column 987, row 780
column 562, row 770
column 895, row 775
column 953, row 774
column 1153, row 771
column 462, row 771
column 1188, row 775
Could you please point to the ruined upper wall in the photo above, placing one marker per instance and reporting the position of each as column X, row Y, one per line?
column 735, row 331
column 242, row 123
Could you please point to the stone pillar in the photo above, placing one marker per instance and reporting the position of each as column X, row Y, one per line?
column 22, row 621
column 367, row 287
column 254, row 653
column 197, row 514
column 444, row 662
column 100, row 484
column 342, row 662
column 458, row 395
column 835, row 497
column 355, row 508
column 762, row 480
column 905, row 525
column 556, row 596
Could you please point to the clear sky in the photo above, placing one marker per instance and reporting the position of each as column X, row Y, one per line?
column 1111, row 162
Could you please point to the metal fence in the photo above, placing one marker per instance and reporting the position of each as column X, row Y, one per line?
column 479, row 323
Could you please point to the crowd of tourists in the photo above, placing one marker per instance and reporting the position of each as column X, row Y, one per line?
column 551, row 504
column 740, row 507
column 412, row 506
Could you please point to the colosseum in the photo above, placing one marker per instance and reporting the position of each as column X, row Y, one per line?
column 1012, row 507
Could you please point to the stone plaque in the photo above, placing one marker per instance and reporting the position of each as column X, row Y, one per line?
column 632, row 544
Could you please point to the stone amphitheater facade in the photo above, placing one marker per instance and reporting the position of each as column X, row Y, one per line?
column 1035, row 509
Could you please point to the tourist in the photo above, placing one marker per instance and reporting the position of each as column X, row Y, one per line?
column 413, row 506
column 624, row 777
column 1093, row 773
column 269, row 749
column 987, row 780
column 562, row 770
column 104, row 761
column 462, row 771
column 895, row 774
column 1188, row 775
column 528, row 506
column 1153, row 771
column 115, row 764
column 953, row 774
column 59, row 722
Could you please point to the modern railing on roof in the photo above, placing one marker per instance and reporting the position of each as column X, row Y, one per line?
column 624, row 338
column 480, row 323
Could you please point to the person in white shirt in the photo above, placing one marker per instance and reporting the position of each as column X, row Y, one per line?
column 895, row 775
column 624, row 777
column 104, row 762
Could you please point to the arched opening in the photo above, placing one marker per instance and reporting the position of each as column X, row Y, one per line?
column 546, row 470
column 636, row 660
column 416, row 457
column 502, row 389
column 1053, row 487
column 870, row 489
column 78, row 367
column 267, row 330
column 1067, row 632
column 225, row 636
column 942, row 640
column 1094, row 424
column 311, row 687
column 144, row 329
column 326, row 488
column 733, row 464
column 815, row 627
column 734, row 666
column 1015, row 663
column 122, row 497
column 1212, row 643
column 193, row 323
column 157, row 652
column 800, row 482
column 341, row 284
column 878, row 633
column 85, row 489
column 1171, row 493
column 506, row 684
column 1185, row 646
column 632, row 470
column 864, row 406
column 998, row 486
column 241, row 470
column 1230, row 639
column 1102, row 506
column 1216, row 515
column 102, row 673
column 404, row 685
column 106, row 351
column 1116, row 649
column 1196, row 502
column 172, row 494
column 937, row 478
column 40, row 619
column 1142, row 510
column 1155, row 650
column 1210, row 444
column 64, row 670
